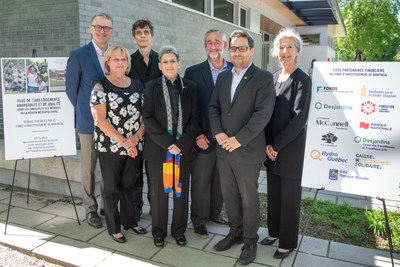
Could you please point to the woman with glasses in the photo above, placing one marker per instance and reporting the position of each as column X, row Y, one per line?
column 171, row 119
column 116, row 104
column 285, row 139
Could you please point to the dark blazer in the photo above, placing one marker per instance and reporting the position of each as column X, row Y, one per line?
column 137, row 71
column 247, row 115
column 286, row 131
column 201, row 75
column 155, row 119
column 83, row 72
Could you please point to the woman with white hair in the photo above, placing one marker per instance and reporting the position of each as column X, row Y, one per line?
column 285, row 139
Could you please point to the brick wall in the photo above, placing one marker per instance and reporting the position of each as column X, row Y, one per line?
column 55, row 27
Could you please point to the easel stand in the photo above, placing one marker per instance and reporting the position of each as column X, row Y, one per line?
column 305, row 227
column 389, row 233
column 29, row 179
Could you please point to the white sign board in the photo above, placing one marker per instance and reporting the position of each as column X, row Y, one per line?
column 353, row 134
column 38, row 117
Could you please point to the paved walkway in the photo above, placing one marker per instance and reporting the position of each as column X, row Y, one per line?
column 47, row 227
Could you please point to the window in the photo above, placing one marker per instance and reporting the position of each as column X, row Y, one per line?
column 193, row 4
column 223, row 10
column 310, row 39
column 243, row 17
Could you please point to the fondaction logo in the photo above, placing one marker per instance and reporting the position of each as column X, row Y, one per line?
column 342, row 125
column 327, row 155
column 368, row 107
column 320, row 105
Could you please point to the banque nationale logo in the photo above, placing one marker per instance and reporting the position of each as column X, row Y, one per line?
column 320, row 105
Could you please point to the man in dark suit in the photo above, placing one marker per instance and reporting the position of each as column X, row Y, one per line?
column 144, row 67
column 205, row 185
column 84, row 69
column 241, row 106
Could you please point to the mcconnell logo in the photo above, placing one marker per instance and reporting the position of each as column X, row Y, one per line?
column 368, row 107
column 319, row 105
column 343, row 125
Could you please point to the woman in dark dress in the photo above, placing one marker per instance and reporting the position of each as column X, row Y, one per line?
column 116, row 104
column 285, row 136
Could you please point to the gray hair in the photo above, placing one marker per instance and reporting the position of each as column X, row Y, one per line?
column 168, row 49
column 287, row 33
column 104, row 15
column 223, row 35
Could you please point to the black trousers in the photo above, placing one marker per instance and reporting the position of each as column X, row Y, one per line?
column 159, row 201
column 239, row 184
column 119, row 175
column 284, row 198
column 138, row 188
column 206, row 192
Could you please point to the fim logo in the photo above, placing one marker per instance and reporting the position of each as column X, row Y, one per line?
column 329, row 138
column 333, row 174
column 364, row 125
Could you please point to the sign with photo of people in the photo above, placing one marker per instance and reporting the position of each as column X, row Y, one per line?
column 353, row 138
column 38, row 117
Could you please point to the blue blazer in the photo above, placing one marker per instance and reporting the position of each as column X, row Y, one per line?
column 201, row 75
column 83, row 72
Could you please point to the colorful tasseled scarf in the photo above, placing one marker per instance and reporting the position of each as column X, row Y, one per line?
column 171, row 166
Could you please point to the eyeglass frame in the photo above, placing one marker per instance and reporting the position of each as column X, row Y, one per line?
column 238, row 48
column 97, row 29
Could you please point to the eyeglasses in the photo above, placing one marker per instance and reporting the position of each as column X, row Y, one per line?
column 233, row 49
column 118, row 60
column 216, row 44
column 105, row 28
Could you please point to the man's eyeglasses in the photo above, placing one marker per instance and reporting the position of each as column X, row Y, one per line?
column 105, row 28
column 233, row 49
column 216, row 44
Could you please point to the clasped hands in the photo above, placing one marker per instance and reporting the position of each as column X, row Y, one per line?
column 130, row 144
column 271, row 153
column 227, row 143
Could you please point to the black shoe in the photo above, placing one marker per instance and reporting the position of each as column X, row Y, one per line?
column 220, row 220
column 181, row 240
column 101, row 212
column 158, row 241
column 228, row 242
column 141, row 231
column 248, row 254
column 267, row 241
column 281, row 255
column 93, row 219
column 121, row 239
column 201, row 230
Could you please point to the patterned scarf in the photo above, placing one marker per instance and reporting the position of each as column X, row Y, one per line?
column 170, row 164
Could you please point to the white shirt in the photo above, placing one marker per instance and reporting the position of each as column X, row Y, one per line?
column 236, row 78
column 100, row 55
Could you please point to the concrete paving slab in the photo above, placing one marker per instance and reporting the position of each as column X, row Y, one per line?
column 22, row 237
column 359, row 255
column 184, row 256
column 355, row 202
column 193, row 240
column 66, row 210
column 4, row 194
column 137, row 245
column 26, row 217
column 314, row 246
column 121, row 259
column 69, row 228
column 3, row 207
column 265, row 255
column 218, row 229
column 72, row 251
column 306, row 260
column 20, row 200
